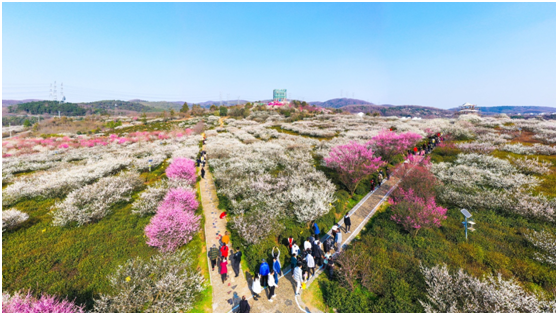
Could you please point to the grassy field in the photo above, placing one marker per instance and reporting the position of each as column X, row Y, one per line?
column 74, row 262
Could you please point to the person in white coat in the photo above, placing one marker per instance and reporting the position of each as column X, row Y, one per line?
column 307, row 245
column 256, row 286
column 295, row 249
column 271, row 283
column 310, row 262
column 338, row 240
column 297, row 276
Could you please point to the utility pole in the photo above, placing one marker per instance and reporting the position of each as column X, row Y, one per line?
column 54, row 91
column 58, row 114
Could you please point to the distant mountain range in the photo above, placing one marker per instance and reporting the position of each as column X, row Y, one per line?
column 15, row 102
column 513, row 109
column 340, row 102
column 346, row 104
column 404, row 110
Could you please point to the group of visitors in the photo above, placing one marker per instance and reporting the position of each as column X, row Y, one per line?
column 427, row 147
column 220, row 256
column 267, row 277
column 200, row 161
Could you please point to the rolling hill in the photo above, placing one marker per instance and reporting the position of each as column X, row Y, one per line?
column 340, row 102
column 493, row 110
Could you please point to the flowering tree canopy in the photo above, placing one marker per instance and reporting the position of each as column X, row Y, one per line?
column 182, row 168
column 388, row 144
column 181, row 198
column 353, row 162
column 462, row 293
column 171, row 228
column 414, row 212
column 20, row 303
column 167, row 283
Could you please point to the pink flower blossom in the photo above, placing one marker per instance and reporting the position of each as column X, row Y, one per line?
column 64, row 146
column 170, row 228
column 19, row 303
column 414, row 212
column 180, row 198
column 182, row 168
column 353, row 162
column 388, row 144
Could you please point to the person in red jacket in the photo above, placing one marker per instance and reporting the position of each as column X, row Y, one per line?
column 290, row 239
column 225, row 251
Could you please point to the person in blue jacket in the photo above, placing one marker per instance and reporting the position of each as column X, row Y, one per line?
column 264, row 273
column 277, row 269
column 316, row 231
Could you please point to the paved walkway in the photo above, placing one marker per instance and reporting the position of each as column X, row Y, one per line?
column 227, row 295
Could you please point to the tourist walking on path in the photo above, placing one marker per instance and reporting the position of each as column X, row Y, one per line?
column 276, row 269
column 388, row 173
column 271, row 283
column 328, row 244
column 236, row 261
column 294, row 261
column 225, row 239
column 224, row 251
column 329, row 266
column 203, row 173
column 311, row 263
column 372, row 185
column 291, row 242
column 316, row 231
column 264, row 272
column 347, row 221
column 295, row 249
column 224, row 270
column 297, row 276
column 380, row 179
column 338, row 240
column 307, row 244
column 256, row 285
column 244, row 307
column 213, row 255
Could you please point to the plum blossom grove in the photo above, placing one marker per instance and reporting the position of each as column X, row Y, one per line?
column 483, row 181
column 272, row 173
column 463, row 293
column 243, row 174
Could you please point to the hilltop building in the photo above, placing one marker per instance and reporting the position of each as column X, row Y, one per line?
column 468, row 108
column 279, row 95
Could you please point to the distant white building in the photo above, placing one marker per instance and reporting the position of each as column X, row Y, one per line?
column 468, row 108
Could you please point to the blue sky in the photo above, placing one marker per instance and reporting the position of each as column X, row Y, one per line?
column 431, row 54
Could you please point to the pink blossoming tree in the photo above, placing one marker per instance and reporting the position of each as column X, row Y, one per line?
column 388, row 144
column 415, row 213
column 353, row 162
column 21, row 303
column 171, row 228
column 180, row 198
column 182, row 168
